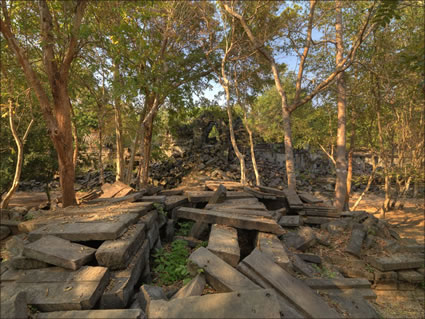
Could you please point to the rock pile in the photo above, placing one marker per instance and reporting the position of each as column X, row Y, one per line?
column 269, row 253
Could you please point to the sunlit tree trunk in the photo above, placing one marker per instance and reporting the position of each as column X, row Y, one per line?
column 341, row 160
column 118, row 131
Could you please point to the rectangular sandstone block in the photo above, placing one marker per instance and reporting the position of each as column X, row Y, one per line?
column 116, row 254
column 289, row 287
column 223, row 242
column 396, row 262
column 273, row 247
column 219, row 274
column 59, row 252
column 107, row 230
column 260, row 303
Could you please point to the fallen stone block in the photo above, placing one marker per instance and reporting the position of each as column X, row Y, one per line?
column 246, row 204
column 355, row 243
column 219, row 195
column 174, row 201
column 308, row 198
column 15, row 307
column 149, row 219
column 301, row 240
column 243, row 304
column 93, row 314
column 290, row 221
column 22, row 262
column 219, row 274
column 287, row 310
column 150, row 293
column 355, row 307
column 59, row 252
column 337, row 283
column 194, row 288
column 270, row 245
column 316, row 220
column 396, row 262
column 121, row 285
column 4, row 232
column 311, row 258
column 410, row 276
column 117, row 189
column 57, row 289
column 116, row 254
column 223, row 242
column 289, row 287
column 199, row 230
column 302, row 267
column 153, row 235
column 229, row 219
column 160, row 199
column 87, row 231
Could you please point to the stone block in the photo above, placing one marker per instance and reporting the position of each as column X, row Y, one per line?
column 290, row 221
column 94, row 314
column 116, row 254
column 59, row 252
column 150, row 293
column 223, row 242
column 14, row 307
column 4, row 232
column 273, row 247
column 194, row 288
column 396, row 262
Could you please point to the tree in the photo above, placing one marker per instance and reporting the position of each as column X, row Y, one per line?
column 56, row 66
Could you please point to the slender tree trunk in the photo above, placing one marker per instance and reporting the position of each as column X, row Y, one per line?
column 350, row 164
column 251, row 146
column 75, row 137
column 234, row 144
column 147, row 147
column 100, row 157
column 369, row 183
column 20, row 156
column 341, row 160
column 118, row 131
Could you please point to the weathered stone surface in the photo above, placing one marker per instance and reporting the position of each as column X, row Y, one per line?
column 194, row 288
column 172, row 192
column 246, row 204
column 116, row 254
column 311, row 258
column 366, row 293
column 56, row 289
column 199, row 230
column 410, row 276
column 170, row 230
column 219, row 195
column 128, row 198
column 15, row 307
column 228, row 219
column 243, row 304
column 336, row 226
column 121, row 285
column 300, row 240
column 149, row 219
column 4, row 232
column 223, row 242
column 291, row 288
column 117, row 189
column 302, row 267
column 272, row 246
column 154, row 199
column 290, row 221
column 308, row 198
column 22, row 262
column 355, row 243
column 286, row 308
column 355, row 307
column 337, row 283
column 87, row 231
column 153, row 235
column 150, row 293
column 396, row 262
column 219, row 274
column 93, row 314
column 59, row 252
column 316, row 220
column 174, row 201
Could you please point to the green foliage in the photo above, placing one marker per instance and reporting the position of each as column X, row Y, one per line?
column 160, row 209
column 171, row 266
column 324, row 271
column 184, row 228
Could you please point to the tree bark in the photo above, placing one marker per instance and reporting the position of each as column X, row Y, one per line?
column 369, row 183
column 118, row 131
column 75, row 136
column 20, row 156
column 341, row 160
column 147, row 147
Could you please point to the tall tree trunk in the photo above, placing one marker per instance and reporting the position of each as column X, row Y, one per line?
column 20, row 156
column 147, row 147
column 118, row 131
column 75, row 137
column 341, row 160
column 350, row 163
column 369, row 182
column 64, row 146
column 100, row 157
column 235, row 145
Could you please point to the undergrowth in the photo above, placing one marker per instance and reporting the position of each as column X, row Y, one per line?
column 171, row 264
column 184, row 228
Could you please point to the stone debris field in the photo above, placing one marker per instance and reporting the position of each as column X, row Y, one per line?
column 268, row 253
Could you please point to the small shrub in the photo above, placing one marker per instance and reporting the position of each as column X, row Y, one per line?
column 184, row 228
column 171, row 265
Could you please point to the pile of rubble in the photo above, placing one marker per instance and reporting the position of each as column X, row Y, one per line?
column 270, row 254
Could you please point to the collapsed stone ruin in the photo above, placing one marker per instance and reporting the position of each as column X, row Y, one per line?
column 270, row 254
